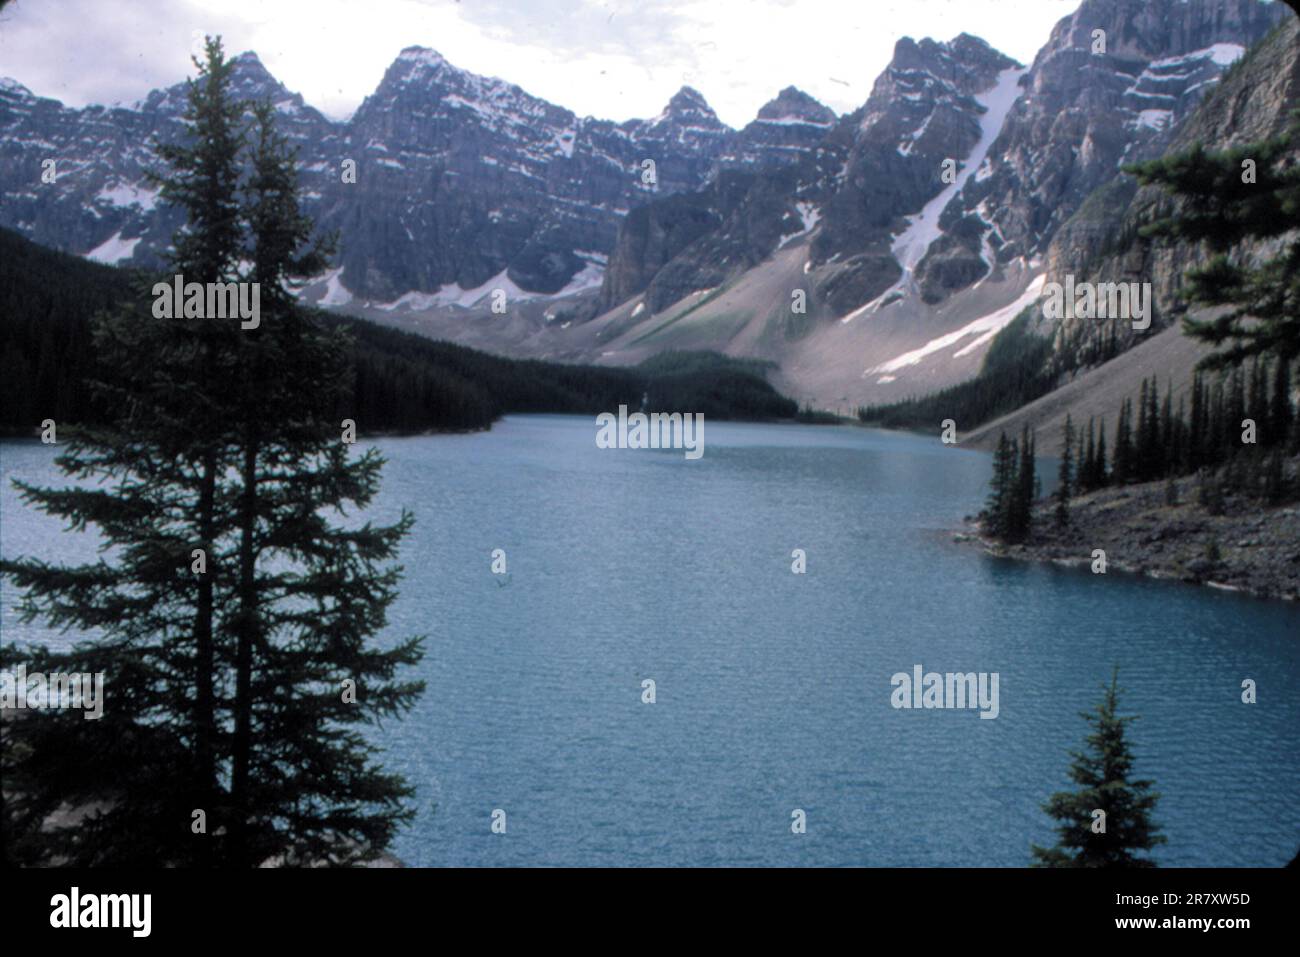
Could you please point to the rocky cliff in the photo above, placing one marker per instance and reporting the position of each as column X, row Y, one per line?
column 460, row 180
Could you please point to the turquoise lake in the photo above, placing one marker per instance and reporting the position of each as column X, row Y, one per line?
column 772, row 689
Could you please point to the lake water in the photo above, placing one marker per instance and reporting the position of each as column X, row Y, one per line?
column 773, row 689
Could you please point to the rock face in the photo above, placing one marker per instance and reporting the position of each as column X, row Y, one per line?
column 863, row 176
column 1101, row 242
column 785, row 130
column 459, row 179
column 1112, row 85
column 75, row 179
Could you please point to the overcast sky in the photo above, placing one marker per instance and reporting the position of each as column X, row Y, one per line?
column 609, row 58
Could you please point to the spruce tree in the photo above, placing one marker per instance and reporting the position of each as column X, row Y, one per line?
column 1257, row 399
column 1019, row 522
column 1102, row 772
column 1102, row 474
column 1142, row 441
column 230, row 611
column 1222, row 206
column 1236, row 412
column 154, row 609
column 1169, row 437
column 1065, row 475
column 310, row 592
column 1087, row 479
column 1124, row 465
column 1279, row 413
column 1152, row 464
column 1197, row 425
column 1001, row 488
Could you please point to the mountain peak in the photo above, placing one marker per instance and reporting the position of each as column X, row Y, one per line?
column 689, row 100
column 252, row 80
column 423, row 55
column 14, row 88
column 248, row 66
column 420, row 62
column 793, row 103
column 688, row 110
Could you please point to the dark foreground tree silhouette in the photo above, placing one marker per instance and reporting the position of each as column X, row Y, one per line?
column 235, row 679
column 1102, row 773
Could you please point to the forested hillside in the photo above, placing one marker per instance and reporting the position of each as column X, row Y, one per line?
column 403, row 382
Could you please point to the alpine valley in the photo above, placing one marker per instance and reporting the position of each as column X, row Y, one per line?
column 872, row 257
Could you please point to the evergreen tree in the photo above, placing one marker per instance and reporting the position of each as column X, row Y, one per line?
column 1257, row 399
column 1142, row 441
column 313, row 795
column 1020, row 509
column 1102, row 475
column 1065, row 475
column 1198, row 427
column 1152, row 439
column 1087, row 477
column 1236, row 412
column 1001, row 488
column 1102, row 774
column 156, row 609
column 1124, row 464
column 1166, row 453
column 225, row 672
column 1221, row 206
column 1279, row 412
column 1218, row 430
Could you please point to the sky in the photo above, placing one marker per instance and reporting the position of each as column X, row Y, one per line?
column 614, row 59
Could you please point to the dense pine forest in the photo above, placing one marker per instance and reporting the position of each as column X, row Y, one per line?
column 1237, row 436
column 402, row 382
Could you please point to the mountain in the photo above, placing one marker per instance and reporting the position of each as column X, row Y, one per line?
column 1112, row 85
column 873, row 256
column 905, row 275
column 1256, row 100
column 462, row 181
column 1101, row 241
column 786, row 129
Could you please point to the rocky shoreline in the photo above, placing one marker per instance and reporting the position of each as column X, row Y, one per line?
column 1247, row 548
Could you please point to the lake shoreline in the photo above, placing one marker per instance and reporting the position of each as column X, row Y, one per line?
column 1248, row 549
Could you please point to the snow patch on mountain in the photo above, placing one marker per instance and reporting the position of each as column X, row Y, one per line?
column 452, row 294
column 911, row 245
column 336, row 294
column 113, row 250
column 125, row 194
column 809, row 216
column 984, row 328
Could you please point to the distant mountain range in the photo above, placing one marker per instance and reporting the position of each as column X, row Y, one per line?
column 914, row 227
column 461, row 180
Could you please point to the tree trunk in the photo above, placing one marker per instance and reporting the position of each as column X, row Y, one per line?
column 247, row 635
